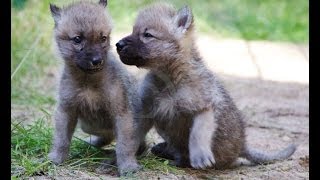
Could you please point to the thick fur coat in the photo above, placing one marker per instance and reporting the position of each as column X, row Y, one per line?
column 190, row 108
column 95, row 89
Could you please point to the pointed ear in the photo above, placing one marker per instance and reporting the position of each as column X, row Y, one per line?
column 103, row 3
column 56, row 13
column 184, row 18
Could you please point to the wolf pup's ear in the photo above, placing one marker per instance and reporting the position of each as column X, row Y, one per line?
column 184, row 18
column 103, row 3
column 56, row 13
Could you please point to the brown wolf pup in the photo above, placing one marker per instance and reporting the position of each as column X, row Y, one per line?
column 95, row 90
column 191, row 110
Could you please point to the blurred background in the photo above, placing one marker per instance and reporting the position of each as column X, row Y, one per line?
column 32, row 26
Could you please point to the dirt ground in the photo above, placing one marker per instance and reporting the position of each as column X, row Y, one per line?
column 277, row 114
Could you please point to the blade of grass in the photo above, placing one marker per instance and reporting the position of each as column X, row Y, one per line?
column 25, row 57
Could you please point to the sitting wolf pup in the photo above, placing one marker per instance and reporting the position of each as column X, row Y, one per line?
column 95, row 89
column 190, row 108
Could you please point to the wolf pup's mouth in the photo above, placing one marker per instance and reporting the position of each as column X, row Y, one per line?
column 91, row 70
column 127, row 58
column 131, row 60
column 94, row 70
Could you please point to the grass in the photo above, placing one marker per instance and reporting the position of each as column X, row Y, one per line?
column 28, row 149
column 31, row 143
column 34, row 66
column 285, row 20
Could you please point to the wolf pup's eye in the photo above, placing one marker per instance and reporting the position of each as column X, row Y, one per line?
column 77, row 39
column 103, row 39
column 147, row 35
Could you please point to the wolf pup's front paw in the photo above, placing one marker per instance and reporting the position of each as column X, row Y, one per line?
column 201, row 158
column 130, row 167
column 57, row 157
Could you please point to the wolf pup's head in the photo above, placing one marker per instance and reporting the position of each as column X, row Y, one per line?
column 82, row 34
column 160, row 35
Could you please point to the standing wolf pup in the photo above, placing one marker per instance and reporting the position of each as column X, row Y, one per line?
column 191, row 109
column 95, row 90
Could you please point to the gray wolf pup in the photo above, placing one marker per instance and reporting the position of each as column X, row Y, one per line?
column 95, row 90
column 190, row 108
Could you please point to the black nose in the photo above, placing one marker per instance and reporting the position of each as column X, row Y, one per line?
column 120, row 45
column 96, row 60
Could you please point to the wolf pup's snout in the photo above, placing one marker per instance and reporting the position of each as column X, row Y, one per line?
column 120, row 45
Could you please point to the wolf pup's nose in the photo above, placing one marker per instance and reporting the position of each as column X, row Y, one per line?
column 120, row 45
column 96, row 60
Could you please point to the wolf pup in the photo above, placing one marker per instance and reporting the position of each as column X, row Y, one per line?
column 95, row 89
column 191, row 110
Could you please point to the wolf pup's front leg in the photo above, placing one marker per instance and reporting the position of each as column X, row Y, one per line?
column 200, row 140
column 65, row 123
column 127, row 144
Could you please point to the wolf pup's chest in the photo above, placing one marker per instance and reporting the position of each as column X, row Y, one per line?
column 164, row 105
column 89, row 100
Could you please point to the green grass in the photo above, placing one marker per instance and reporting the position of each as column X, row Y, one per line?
column 30, row 145
column 155, row 163
column 28, row 148
column 285, row 20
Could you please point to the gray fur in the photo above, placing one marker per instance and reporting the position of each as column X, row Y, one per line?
column 260, row 157
column 200, row 139
column 190, row 108
column 184, row 18
column 55, row 12
column 102, row 98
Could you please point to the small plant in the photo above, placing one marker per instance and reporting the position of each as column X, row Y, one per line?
column 30, row 145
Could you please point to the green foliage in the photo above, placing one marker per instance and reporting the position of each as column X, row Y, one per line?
column 155, row 163
column 285, row 20
column 30, row 145
column 18, row 4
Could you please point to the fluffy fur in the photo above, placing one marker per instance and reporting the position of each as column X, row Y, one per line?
column 95, row 90
column 190, row 108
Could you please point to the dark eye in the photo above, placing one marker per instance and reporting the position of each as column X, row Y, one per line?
column 77, row 39
column 147, row 35
column 103, row 39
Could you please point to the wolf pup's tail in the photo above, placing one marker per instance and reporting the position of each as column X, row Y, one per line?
column 260, row 157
